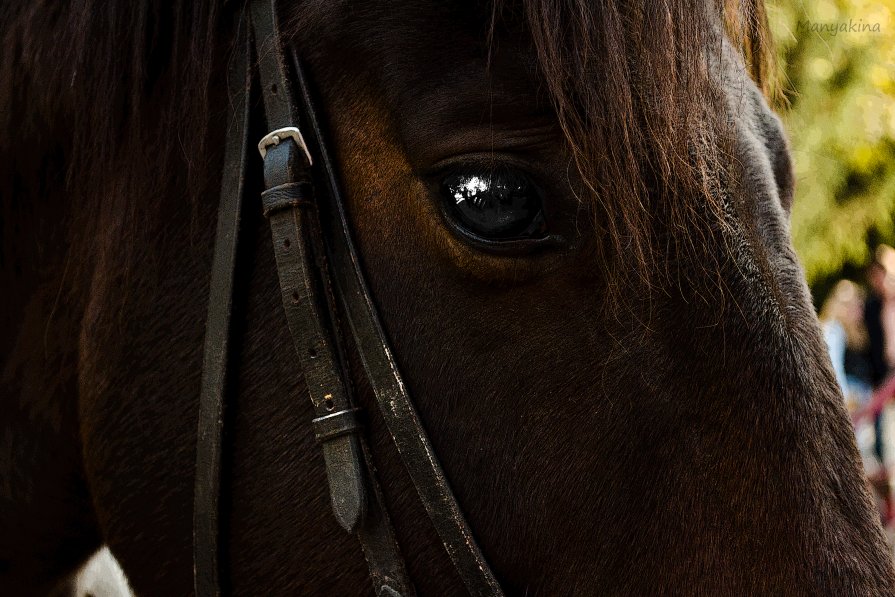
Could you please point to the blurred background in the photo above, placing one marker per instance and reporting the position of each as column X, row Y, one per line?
column 837, row 81
column 836, row 95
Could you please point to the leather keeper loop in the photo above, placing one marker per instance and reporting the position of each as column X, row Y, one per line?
column 337, row 424
column 291, row 194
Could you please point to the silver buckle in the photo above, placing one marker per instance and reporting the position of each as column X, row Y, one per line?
column 274, row 137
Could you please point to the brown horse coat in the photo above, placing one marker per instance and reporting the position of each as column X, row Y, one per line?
column 646, row 409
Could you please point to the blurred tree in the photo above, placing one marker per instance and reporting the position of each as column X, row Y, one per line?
column 837, row 65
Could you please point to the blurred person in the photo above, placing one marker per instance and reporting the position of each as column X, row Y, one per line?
column 842, row 316
column 842, row 319
column 879, row 319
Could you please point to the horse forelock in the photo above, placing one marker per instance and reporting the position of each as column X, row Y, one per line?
column 629, row 83
column 639, row 103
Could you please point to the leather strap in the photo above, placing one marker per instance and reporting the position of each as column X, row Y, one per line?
column 217, row 333
column 395, row 403
column 302, row 271
column 312, row 311
column 312, row 315
column 337, row 424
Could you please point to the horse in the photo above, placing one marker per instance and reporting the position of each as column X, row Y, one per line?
column 573, row 220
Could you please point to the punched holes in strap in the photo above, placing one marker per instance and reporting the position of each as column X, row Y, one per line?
column 284, row 196
column 337, row 424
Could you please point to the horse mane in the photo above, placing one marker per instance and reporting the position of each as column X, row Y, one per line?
column 643, row 118
column 89, row 83
column 95, row 69
column 628, row 81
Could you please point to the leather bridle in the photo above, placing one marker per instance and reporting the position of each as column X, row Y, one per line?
column 322, row 285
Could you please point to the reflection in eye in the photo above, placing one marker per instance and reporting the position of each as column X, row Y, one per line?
column 471, row 188
column 497, row 204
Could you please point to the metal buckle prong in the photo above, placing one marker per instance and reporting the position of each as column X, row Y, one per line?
column 275, row 137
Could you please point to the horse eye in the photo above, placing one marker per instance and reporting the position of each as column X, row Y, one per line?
column 497, row 204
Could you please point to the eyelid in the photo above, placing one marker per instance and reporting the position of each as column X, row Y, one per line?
column 510, row 247
column 484, row 160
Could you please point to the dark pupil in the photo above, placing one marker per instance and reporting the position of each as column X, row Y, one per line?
column 493, row 204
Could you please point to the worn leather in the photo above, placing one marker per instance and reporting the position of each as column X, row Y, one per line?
column 306, row 320
column 296, row 194
column 312, row 306
column 339, row 423
column 217, row 333
column 302, row 274
column 312, row 316
column 395, row 403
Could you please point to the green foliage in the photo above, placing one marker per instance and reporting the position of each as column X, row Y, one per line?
column 837, row 58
